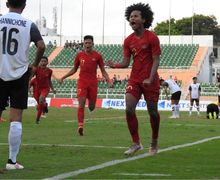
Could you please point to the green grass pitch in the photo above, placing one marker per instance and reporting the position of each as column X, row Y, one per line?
column 53, row 147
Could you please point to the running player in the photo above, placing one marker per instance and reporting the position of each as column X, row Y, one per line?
column 43, row 85
column 144, row 47
column 16, row 33
column 194, row 95
column 175, row 95
column 33, row 85
column 87, row 86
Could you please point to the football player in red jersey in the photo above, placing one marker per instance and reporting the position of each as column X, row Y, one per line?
column 87, row 86
column 33, row 85
column 43, row 85
column 144, row 47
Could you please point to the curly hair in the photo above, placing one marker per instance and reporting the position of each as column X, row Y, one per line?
column 146, row 13
column 16, row 3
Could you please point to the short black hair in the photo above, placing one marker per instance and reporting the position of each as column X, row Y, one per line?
column 16, row 3
column 44, row 57
column 88, row 37
column 194, row 78
column 146, row 13
column 161, row 81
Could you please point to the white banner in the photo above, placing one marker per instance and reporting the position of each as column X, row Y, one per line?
column 32, row 102
column 163, row 105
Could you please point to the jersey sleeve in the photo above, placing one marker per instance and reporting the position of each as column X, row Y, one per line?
column 35, row 34
column 155, row 45
column 101, row 62
column 51, row 72
column 77, row 61
column 190, row 88
column 127, row 52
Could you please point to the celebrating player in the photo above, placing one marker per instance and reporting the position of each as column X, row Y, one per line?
column 143, row 45
column 16, row 33
column 87, row 84
column 33, row 85
column 43, row 85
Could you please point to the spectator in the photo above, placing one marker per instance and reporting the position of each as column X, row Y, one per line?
column 55, row 43
column 50, row 44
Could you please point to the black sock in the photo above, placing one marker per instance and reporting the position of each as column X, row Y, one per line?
column 10, row 161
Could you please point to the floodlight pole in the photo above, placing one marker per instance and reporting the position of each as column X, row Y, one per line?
column 103, row 23
column 82, row 22
column 124, row 24
column 169, row 18
column 61, row 21
column 192, row 19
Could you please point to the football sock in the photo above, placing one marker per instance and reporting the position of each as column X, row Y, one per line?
column 133, row 127
column 14, row 139
column 80, row 116
column 10, row 162
column 155, row 124
column 198, row 110
column 39, row 110
column 173, row 109
column 176, row 107
column 190, row 110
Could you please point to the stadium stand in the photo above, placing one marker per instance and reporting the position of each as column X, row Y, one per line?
column 64, row 58
column 32, row 52
column 172, row 55
column 181, row 60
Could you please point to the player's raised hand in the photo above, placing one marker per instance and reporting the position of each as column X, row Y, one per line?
column 110, row 63
column 60, row 81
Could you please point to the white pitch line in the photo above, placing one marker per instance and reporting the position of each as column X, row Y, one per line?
column 145, row 174
column 100, row 118
column 119, row 161
column 70, row 145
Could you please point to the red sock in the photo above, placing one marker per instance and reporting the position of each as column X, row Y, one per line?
column 133, row 127
column 80, row 116
column 40, row 108
column 155, row 124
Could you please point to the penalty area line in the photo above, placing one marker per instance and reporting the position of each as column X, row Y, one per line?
column 119, row 161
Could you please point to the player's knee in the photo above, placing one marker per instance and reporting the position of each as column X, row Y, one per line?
column 129, row 112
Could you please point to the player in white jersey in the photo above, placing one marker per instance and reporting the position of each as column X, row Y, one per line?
column 194, row 95
column 175, row 95
column 16, row 33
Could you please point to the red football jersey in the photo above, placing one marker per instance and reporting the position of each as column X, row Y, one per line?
column 34, row 84
column 43, row 77
column 88, row 63
column 142, row 49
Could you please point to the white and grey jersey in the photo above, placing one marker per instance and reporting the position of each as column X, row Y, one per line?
column 16, row 33
column 195, row 90
column 173, row 86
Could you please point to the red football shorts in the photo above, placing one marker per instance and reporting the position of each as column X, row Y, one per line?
column 150, row 92
column 41, row 92
column 88, row 89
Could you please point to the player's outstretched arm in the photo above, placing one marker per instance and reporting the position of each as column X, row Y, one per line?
column 106, row 76
column 70, row 73
column 124, row 64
